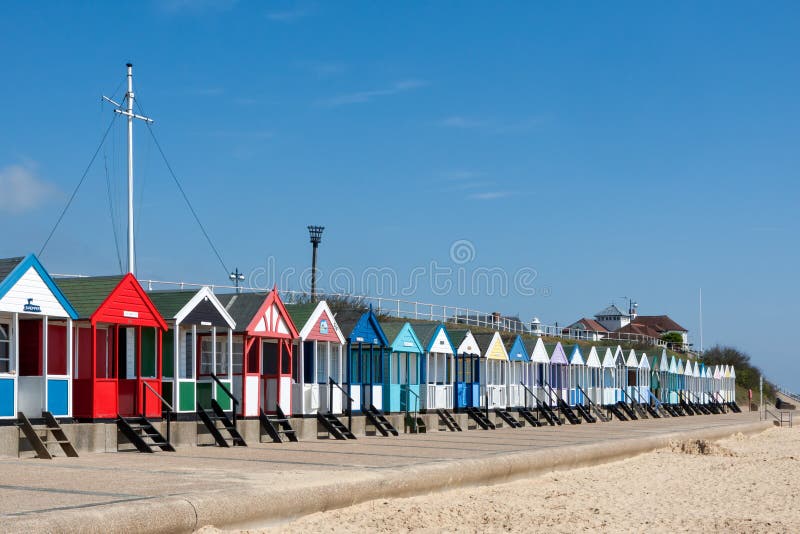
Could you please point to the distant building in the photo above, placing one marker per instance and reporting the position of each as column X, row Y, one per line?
column 587, row 329
column 660, row 325
column 612, row 318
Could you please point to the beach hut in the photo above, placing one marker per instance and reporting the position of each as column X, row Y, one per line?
column 621, row 374
column 118, row 340
column 263, row 352
column 686, row 371
column 366, row 346
column 631, row 377
column 538, row 371
column 494, row 368
column 663, row 377
column 595, row 377
column 559, row 373
column 732, row 384
column 675, row 378
column 467, row 388
column 402, row 368
column 609, row 367
column 577, row 375
column 716, row 384
column 318, row 353
column 643, row 380
column 518, row 375
column 196, row 349
column 438, row 366
column 35, row 341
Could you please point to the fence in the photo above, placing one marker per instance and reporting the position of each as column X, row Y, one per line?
column 411, row 309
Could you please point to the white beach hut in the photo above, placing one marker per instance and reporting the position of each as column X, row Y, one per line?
column 643, row 380
column 631, row 377
column 609, row 378
column 539, row 371
column 594, row 381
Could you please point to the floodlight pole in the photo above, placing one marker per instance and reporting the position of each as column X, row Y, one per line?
column 315, row 233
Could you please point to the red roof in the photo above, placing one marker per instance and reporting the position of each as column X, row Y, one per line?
column 590, row 325
column 659, row 323
column 639, row 329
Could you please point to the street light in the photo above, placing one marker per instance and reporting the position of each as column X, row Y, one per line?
column 236, row 277
column 315, row 233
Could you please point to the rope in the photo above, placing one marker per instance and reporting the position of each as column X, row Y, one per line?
column 75, row 191
column 186, row 198
column 111, row 214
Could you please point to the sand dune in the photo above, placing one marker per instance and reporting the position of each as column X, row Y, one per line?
column 741, row 484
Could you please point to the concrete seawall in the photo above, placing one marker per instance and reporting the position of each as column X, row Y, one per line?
column 258, row 504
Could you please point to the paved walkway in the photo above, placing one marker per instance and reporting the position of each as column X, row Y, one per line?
column 31, row 488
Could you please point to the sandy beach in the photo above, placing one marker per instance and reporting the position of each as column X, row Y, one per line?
column 740, row 484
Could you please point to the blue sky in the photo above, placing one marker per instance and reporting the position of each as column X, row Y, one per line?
column 638, row 149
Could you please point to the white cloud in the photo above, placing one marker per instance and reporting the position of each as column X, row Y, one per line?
column 492, row 126
column 22, row 190
column 361, row 97
column 490, row 195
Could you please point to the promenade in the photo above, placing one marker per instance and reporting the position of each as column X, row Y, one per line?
column 169, row 492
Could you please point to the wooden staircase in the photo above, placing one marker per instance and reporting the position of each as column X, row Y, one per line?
column 334, row 426
column 380, row 422
column 568, row 413
column 614, row 410
column 584, row 412
column 549, row 415
column 277, row 426
column 142, row 434
column 212, row 421
column 529, row 417
column 480, row 418
column 40, row 436
column 449, row 421
column 629, row 413
column 507, row 418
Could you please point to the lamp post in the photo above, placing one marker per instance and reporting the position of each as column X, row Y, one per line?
column 315, row 233
column 236, row 277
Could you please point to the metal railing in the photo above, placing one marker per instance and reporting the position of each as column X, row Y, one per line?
column 782, row 417
column 410, row 392
column 226, row 391
column 331, row 384
column 164, row 404
column 411, row 309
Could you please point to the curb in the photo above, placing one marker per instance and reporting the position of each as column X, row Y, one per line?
column 254, row 507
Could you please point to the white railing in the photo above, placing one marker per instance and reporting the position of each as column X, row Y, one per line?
column 412, row 309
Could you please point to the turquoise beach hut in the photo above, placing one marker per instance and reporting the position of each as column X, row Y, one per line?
column 403, row 367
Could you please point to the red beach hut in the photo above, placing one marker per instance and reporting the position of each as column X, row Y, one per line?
column 117, row 347
column 262, row 369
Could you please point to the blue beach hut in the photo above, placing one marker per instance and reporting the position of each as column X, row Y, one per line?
column 36, row 341
column 577, row 375
column 402, row 369
column 366, row 346
column 467, row 385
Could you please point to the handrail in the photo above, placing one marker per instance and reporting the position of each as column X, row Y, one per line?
column 169, row 410
column 628, row 395
column 528, row 391
column 227, row 391
column 550, row 393
column 331, row 383
column 586, row 396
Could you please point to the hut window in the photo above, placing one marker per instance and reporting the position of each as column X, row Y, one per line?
column 308, row 362
column 323, row 351
column 413, row 369
column 5, row 348
column 187, row 358
column 336, row 358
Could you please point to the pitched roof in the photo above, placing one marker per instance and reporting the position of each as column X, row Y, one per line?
column 484, row 340
column 611, row 310
column 425, row 332
column 587, row 324
column 639, row 329
column 300, row 313
column 169, row 303
column 7, row 265
column 87, row 294
column 659, row 323
column 242, row 307
column 348, row 319
column 457, row 336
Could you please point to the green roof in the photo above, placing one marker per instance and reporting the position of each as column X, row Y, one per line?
column 300, row 313
column 425, row 333
column 483, row 340
column 457, row 337
column 169, row 303
column 7, row 265
column 392, row 330
column 87, row 294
